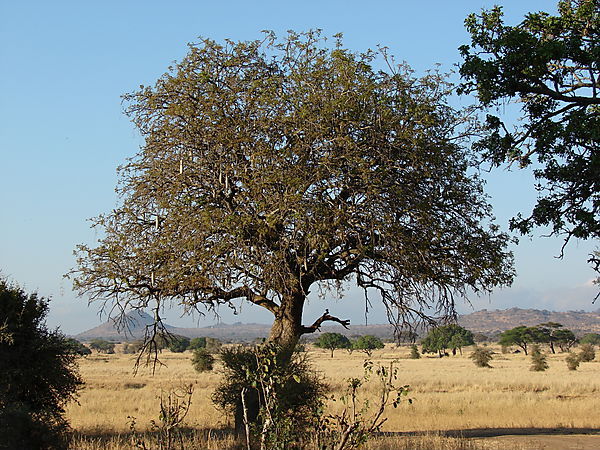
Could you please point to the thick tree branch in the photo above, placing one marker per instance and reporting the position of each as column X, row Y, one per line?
column 325, row 317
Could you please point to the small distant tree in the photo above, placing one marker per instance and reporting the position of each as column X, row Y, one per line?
column 202, row 360
column 332, row 341
column 367, row 344
column 414, row 352
column 538, row 359
column 565, row 339
column 590, row 338
column 133, row 347
column 102, row 346
column 78, row 347
column 179, row 344
column 199, row 342
column 520, row 336
column 572, row 361
column 547, row 333
column 452, row 337
column 587, row 353
column 481, row 356
column 38, row 374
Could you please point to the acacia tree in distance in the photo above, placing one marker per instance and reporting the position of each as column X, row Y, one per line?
column 367, row 344
column 521, row 336
column 549, row 64
column 332, row 341
column 274, row 167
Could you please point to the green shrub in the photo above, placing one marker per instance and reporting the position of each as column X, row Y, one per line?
column 572, row 361
column 179, row 344
column 481, row 356
column 38, row 374
column 202, row 360
column 414, row 352
column 299, row 390
column 199, row 342
column 538, row 359
column 587, row 353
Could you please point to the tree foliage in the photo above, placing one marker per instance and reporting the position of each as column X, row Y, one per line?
column 521, row 336
column 367, row 344
column 179, row 344
column 38, row 374
column 78, row 347
column 198, row 342
column 332, row 341
column 551, row 66
column 273, row 167
column 453, row 337
column 590, row 338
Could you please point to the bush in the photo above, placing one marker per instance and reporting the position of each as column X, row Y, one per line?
column 202, row 360
column 179, row 344
column 572, row 361
column 538, row 359
column 481, row 356
column 587, row 353
column 298, row 388
column 38, row 374
column 199, row 342
column 133, row 347
column 414, row 352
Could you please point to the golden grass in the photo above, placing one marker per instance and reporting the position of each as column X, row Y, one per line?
column 448, row 394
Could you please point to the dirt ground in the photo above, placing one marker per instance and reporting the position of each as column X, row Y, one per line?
column 543, row 442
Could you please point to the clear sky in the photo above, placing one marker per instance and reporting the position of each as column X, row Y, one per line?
column 65, row 64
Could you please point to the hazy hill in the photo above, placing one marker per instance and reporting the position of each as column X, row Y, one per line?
column 484, row 321
column 133, row 327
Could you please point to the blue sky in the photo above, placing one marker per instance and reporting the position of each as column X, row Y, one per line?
column 65, row 65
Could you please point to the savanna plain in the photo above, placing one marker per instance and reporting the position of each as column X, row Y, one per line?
column 455, row 405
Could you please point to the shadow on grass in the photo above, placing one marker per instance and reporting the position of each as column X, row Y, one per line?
column 494, row 432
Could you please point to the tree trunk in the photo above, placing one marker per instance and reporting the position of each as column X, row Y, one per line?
column 287, row 326
column 285, row 332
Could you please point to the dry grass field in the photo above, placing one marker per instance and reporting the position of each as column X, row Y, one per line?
column 448, row 394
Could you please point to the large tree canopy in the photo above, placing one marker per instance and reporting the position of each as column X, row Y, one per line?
column 550, row 65
column 274, row 167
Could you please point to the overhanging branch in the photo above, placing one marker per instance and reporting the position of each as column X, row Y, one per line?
column 325, row 317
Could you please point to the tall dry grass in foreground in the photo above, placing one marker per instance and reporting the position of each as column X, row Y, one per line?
column 448, row 394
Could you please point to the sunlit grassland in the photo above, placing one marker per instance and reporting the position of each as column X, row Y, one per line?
column 448, row 393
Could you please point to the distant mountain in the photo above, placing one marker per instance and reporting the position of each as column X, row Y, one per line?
column 484, row 321
column 133, row 326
